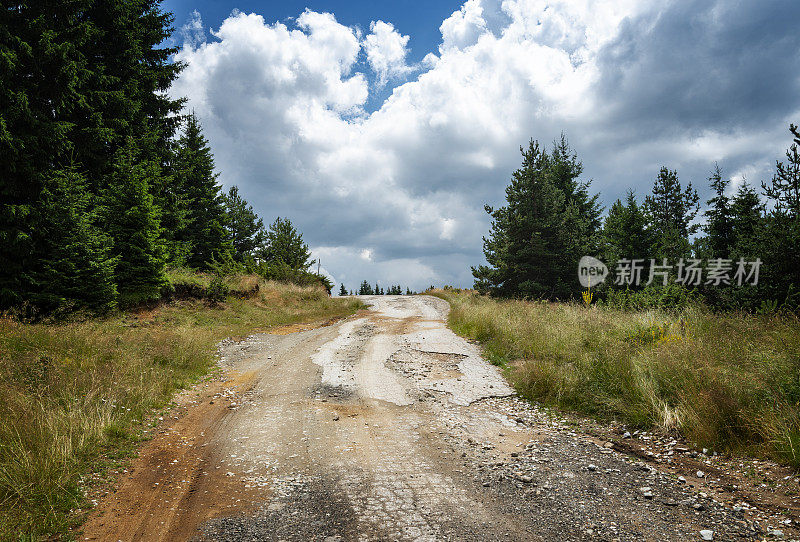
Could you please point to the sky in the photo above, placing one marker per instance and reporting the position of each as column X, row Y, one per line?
column 382, row 129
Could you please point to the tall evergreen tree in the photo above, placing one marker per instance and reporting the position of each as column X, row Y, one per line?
column 245, row 228
column 365, row 288
column 195, row 178
column 548, row 223
column 129, row 74
column 671, row 210
column 42, row 76
column 625, row 231
column 747, row 217
column 719, row 224
column 132, row 220
column 78, row 80
column 782, row 228
column 77, row 269
column 784, row 189
column 342, row 290
column 173, row 203
column 748, row 241
column 565, row 170
column 285, row 244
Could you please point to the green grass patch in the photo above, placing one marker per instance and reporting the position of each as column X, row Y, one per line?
column 726, row 381
column 75, row 394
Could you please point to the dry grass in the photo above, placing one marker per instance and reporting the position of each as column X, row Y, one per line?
column 727, row 381
column 73, row 395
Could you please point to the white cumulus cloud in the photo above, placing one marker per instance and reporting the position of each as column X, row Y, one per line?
column 634, row 85
column 386, row 51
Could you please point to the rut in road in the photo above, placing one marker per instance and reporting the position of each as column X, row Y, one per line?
column 388, row 426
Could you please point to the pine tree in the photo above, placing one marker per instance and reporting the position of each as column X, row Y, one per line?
column 520, row 248
column 194, row 176
column 342, row 290
column 671, row 210
column 549, row 221
column 782, row 229
column 285, row 245
column 41, row 78
column 245, row 228
column 132, row 220
column 365, row 289
column 625, row 231
column 129, row 74
column 565, row 170
column 79, row 80
column 747, row 217
column 784, row 189
column 171, row 199
column 77, row 269
column 719, row 226
column 748, row 241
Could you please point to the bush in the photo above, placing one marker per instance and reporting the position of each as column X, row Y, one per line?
column 672, row 297
column 217, row 290
column 184, row 283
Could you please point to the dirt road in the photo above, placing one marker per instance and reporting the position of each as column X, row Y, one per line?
column 388, row 426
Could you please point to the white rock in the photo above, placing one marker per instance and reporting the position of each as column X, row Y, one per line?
column 707, row 534
column 701, row 474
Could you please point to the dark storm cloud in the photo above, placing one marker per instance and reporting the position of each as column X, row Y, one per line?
column 697, row 66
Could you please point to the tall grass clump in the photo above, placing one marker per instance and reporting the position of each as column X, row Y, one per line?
column 74, row 395
column 727, row 381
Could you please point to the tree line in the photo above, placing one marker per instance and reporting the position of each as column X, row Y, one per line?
column 551, row 219
column 104, row 180
column 367, row 289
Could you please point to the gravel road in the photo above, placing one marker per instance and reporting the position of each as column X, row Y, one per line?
column 388, row 426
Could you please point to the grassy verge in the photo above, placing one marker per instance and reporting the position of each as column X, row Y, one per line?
column 725, row 381
column 72, row 394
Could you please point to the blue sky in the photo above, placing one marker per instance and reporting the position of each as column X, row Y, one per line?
column 381, row 130
column 419, row 20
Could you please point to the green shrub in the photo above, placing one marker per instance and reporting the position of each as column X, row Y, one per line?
column 672, row 297
column 217, row 289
